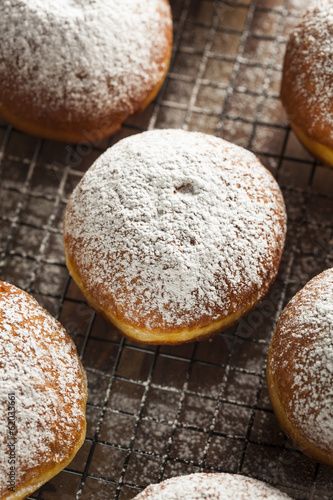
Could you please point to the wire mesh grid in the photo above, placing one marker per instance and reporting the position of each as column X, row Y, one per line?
column 157, row 412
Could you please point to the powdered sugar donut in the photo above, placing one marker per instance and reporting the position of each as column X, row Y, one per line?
column 74, row 70
column 300, row 368
column 173, row 235
column 43, row 395
column 307, row 81
column 211, row 486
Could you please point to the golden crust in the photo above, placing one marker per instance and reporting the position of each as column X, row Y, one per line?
column 167, row 336
column 307, row 82
column 55, row 126
column 316, row 148
column 34, row 113
column 296, row 436
column 44, row 474
column 298, row 369
column 50, row 393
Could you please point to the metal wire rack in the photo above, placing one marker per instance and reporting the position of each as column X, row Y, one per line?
column 156, row 412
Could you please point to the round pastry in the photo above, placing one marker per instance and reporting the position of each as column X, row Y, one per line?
column 173, row 235
column 211, row 486
column 74, row 70
column 307, row 81
column 300, row 368
column 43, row 394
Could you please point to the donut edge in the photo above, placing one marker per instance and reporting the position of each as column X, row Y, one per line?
column 229, row 484
column 317, row 142
column 153, row 337
column 23, row 491
column 315, row 148
column 26, row 489
column 69, row 133
column 292, row 432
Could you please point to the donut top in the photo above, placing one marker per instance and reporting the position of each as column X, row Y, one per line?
column 308, row 87
column 170, row 228
column 41, row 372
column 212, row 486
column 57, row 53
column 302, row 348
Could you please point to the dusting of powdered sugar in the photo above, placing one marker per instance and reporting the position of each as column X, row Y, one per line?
column 212, row 486
column 175, row 227
column 310, row 69
column 303, row 348
column 83, row 56
column 40, row 367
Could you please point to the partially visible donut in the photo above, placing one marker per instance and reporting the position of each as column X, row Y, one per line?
column 43, row 393
column 211, row 486
column 300, row 368
column 307, row 81
column 74, row 70
column 173, row 235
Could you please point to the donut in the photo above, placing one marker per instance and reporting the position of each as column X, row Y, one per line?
column 43, row 393
column 307, row 81
column 173, row 235
column 74, row 70
column 300, row 368
column 211, row 486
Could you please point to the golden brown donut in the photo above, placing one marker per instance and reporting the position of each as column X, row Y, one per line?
column 211, row 486
column 74, row 70
column 43, row 393
column 173, row 235
column 300, row 368
column 307, row 81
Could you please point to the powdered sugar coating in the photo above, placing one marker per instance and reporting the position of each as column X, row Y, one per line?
column 83, row 56
column 173, row 228
column 302, row 348
column 307, row 85
column 202, row 486
column 40, row 366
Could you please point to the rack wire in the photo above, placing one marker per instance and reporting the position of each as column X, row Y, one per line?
column 157, row 412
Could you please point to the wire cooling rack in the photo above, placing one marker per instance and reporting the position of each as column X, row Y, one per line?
column 156, row 412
